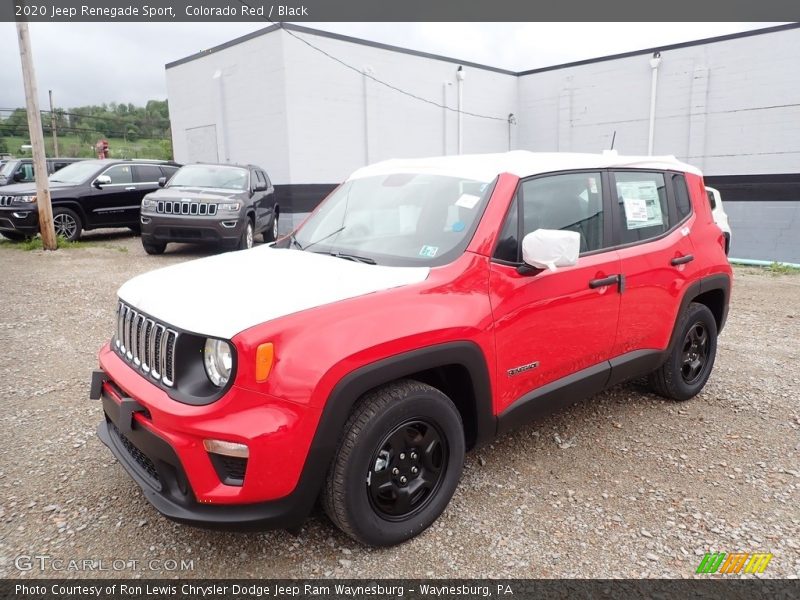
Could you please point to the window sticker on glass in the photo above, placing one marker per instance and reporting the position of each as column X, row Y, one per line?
column 592, row 185
column 642, row 204
column 468, row 201
column 429, row 251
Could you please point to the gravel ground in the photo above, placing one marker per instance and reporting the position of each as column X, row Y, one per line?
column 625, row 485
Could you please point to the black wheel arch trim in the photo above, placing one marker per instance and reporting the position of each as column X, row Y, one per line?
column 718, row 281
column 351, row 387
column 74, row 206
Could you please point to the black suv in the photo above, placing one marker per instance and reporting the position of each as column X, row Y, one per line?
column 211, row 203
column 20, row 170
column 90, row 194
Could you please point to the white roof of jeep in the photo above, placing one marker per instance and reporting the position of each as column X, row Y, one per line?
column 485, row 167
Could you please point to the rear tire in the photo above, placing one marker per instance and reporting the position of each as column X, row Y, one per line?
column 397, row 464
column 691, row 360
column 154, row 248
column 67, row 224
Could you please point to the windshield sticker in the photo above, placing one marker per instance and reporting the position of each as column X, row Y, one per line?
column 641, row 202
column 459, row 226
column 468, row 201
column 429, row 251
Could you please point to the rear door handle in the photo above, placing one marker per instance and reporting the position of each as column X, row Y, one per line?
column 610, row 280
column 130, row 189
column 681, row 260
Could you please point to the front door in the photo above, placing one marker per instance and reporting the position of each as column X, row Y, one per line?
column 113, row 204
column 554, row 328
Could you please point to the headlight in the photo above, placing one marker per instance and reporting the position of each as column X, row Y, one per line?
column 148, row 203
column 218, row 360
column 229, row 206
column 24, row 199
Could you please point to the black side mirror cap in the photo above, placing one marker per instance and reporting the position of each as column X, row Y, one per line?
column 162, row 181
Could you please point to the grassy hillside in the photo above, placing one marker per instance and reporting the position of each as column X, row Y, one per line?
column 70, row 145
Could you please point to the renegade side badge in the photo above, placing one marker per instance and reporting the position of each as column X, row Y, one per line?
column 522, row 368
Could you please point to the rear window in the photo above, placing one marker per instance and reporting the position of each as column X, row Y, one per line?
column 642, row 201
column 148, row 173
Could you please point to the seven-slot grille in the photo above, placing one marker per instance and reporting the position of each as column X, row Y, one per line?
column 6, row 200
column 147, row 344
column 182, row 207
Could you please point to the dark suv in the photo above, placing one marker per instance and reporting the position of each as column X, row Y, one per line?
column 211, row 203
column 90, row 194
column 20, row 170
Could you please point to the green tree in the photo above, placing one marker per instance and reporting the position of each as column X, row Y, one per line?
column 3, row 146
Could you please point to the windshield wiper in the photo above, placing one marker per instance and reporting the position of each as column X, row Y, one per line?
column 294, row 241
column 353, row 257
column 330, row 235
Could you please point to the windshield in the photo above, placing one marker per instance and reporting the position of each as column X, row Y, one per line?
column 402, row 219
column 211, row 176
column 8, row 168
column 75, row 173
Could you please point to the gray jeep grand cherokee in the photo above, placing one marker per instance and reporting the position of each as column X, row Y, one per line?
column 210, row 203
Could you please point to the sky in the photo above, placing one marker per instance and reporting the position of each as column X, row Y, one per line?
column 92, row 63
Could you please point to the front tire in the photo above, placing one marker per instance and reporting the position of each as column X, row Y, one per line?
column 271, row 233
column 154, row 248
column 248, row 235
column 67, row 224
column 691, row 360
column 397, row 464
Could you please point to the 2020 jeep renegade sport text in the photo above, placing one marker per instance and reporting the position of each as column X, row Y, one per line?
column 425, row 307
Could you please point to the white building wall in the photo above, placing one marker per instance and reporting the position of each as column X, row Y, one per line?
column 249, row 113
column 729, row 107
column 340, row 120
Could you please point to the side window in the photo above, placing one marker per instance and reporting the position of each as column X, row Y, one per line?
column 120, row 174
column 266, row 178
column 147, row 173
column 59, row 165
column 260, row 177
column 711, row 200
column 508, row 243
column 642, row 201
column 682, row 201
column 569, row 202
column 168, row 172
column 26, row 170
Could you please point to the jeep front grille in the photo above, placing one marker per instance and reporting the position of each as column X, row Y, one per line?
column 197, row 209
column 147, row 344
column 6, row 200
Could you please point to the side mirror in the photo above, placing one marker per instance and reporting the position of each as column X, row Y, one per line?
column 551, row 248
column 260, row 187
column 101, row 181
column 162, row 181
column 19, row 176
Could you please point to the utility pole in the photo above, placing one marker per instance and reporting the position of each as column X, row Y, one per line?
column 49, row 241
column 53, row 126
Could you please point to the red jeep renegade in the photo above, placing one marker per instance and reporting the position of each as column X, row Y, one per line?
column 425, row 307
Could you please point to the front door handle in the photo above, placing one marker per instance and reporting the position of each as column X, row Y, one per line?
column 130, row 189
column 681, row 260
column 610, row 280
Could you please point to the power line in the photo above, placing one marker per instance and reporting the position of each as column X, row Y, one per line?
column 375, row 79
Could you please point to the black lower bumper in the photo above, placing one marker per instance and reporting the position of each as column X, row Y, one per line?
column 161, row 229
column 23, row 220
column 156, row 468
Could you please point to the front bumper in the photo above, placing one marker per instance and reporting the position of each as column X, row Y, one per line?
column 20, row 218
column 160, row 228
column 163, row 452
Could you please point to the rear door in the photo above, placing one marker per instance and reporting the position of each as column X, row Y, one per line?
column 652, row 221
column 555, row 328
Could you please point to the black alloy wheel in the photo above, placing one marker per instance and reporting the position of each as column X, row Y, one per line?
column 695, row 353
column 407, row 469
